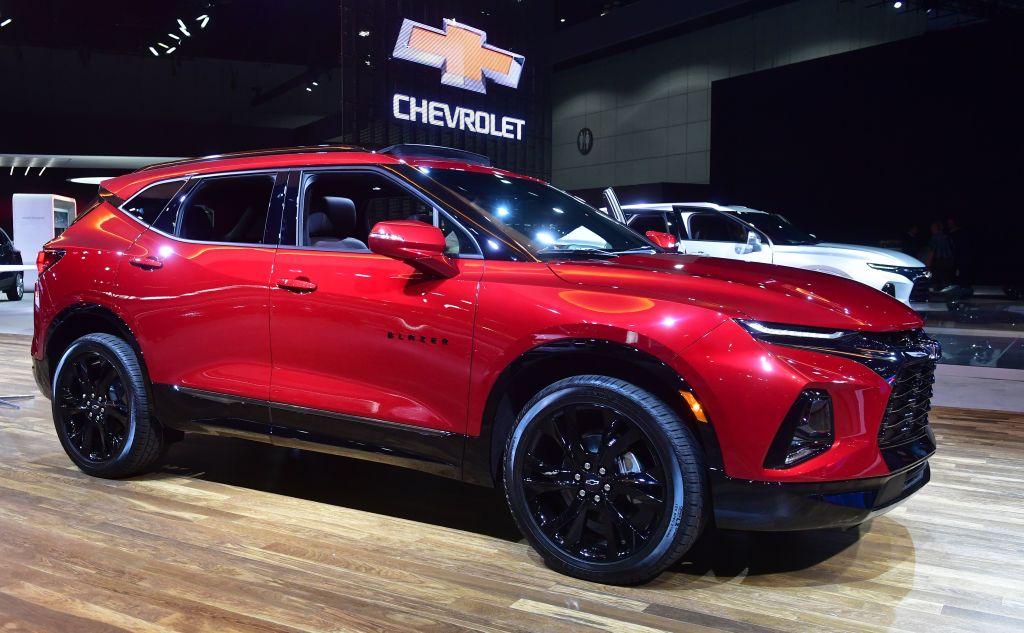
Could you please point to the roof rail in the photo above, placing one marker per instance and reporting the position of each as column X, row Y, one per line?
column 435, row 151
column 302, row 149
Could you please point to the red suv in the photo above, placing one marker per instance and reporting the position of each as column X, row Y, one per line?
column 418, row 306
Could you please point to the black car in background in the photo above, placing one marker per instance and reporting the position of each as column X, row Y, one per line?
column 11, row 284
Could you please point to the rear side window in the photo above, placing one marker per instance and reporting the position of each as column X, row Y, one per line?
column 148, row 204
column 228, row 209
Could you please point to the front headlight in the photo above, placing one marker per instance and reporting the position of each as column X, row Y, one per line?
column 910, row 272
column 781, row 333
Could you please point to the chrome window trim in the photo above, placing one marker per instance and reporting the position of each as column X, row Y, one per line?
column 373, row 169
column 274, row 171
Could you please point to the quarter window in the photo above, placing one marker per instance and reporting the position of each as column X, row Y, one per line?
column 148, row 204
column 228, row 209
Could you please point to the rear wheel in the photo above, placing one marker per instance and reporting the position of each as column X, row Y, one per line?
column 605, row 480
column 16, row 291
column 101, row 408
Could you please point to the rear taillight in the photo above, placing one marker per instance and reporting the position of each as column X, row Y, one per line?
column 47, row 258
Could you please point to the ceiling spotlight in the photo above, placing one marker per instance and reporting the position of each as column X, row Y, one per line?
column 6, row 22
column 162, row 45
column 315, row 83
column 897, row 5
column 364, row 34
column 308, row 89
column 562, row 20
column 42, row 170
column 171, row 49
column 203, row 20
column 174, row 36
column 181, row 27
column 155, row 52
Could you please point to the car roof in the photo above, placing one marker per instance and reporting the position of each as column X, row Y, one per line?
column 310, row 156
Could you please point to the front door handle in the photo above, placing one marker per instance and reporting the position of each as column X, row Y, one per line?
column 299, row 284
column 146, row 263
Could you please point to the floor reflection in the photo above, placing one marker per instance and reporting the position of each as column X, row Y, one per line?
column 352, row 483
column 800, row 559
column 790, row 558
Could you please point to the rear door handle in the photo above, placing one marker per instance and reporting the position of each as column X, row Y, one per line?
column 296, row 285
column 146, row 263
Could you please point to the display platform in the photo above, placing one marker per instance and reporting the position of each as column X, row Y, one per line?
column 229, row 535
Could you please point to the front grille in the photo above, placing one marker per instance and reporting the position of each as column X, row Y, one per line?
column 906, row 416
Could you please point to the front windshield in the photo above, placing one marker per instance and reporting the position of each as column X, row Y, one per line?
column 777, row 228
column 549, row 222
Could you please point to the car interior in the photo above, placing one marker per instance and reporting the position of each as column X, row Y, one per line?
column 339, row 210
column 228, row 210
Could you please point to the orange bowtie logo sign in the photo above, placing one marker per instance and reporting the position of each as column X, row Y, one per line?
column 461, row 52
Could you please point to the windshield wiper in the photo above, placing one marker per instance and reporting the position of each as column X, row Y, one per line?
column 638, row 249
column 569, row 250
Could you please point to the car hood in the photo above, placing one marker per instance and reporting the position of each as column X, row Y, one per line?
column 738, row 289
column 866, row 254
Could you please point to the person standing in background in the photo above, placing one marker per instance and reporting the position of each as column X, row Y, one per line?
column 963, row 254
column 940, row 257
column 914, row 243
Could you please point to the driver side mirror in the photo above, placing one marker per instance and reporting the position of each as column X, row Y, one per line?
column 753, row 244
column 419, row 244
column 664, row 240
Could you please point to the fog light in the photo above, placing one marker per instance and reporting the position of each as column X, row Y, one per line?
column 806, row 431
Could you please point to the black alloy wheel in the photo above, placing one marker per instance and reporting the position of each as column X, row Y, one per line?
column 100, row 408
column 93, row 400
column 17, row 290
column 594, row 482
column 605, row 480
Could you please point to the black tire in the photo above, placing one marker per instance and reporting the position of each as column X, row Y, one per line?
column 101, row 408
column 649, row 499
column 17, row 289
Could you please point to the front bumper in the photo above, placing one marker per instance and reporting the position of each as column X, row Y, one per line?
column 770, row 506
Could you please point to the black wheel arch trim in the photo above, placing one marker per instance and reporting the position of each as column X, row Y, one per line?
column 44, row 369
column 482, row 458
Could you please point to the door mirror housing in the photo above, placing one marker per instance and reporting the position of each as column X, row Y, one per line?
column 419, row 244
column 753, row 244
column 664, row 240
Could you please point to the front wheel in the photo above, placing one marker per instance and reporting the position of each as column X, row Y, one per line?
column 605, row 480
column 101, row 408
column 17, row 291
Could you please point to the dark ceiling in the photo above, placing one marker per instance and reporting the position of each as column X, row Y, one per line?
column 248, row 30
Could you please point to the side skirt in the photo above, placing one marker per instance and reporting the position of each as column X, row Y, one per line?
column 209, row 413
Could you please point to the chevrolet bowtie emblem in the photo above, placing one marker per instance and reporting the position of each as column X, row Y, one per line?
column 461, row 52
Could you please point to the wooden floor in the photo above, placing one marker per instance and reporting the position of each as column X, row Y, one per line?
column 231, row 536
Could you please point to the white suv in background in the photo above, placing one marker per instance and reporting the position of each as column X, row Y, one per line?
column 733, row 232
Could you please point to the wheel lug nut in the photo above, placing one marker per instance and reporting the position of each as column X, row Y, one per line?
column 586, row 466
column 577, row 477
column 601, row 471
column 607, row 487
column 597, row 498
column 583, row 493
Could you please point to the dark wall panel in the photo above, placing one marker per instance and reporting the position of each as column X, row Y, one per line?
column 860, row 146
